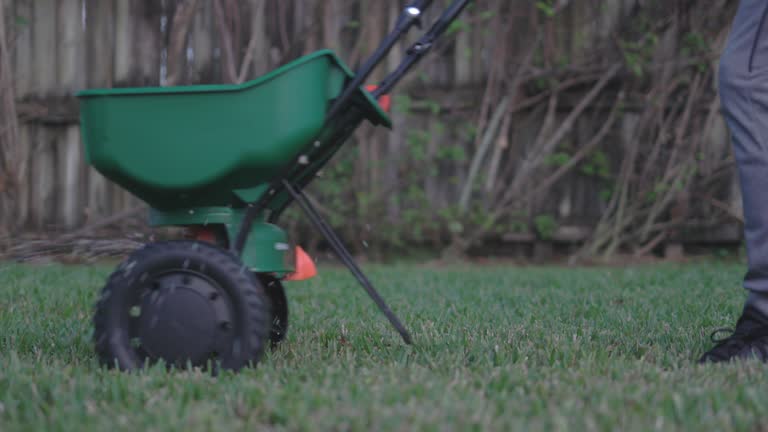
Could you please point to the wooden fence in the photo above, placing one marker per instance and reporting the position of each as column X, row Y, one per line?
column 62, row 46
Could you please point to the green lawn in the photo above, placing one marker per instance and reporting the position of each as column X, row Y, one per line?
column 495, row 349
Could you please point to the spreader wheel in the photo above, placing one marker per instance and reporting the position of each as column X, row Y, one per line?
column 279, row 303
column 185, row 303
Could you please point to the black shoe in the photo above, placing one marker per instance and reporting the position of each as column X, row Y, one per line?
column 748, row 340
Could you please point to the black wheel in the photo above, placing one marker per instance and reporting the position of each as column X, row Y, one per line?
column 185, row 303
column 279, row 302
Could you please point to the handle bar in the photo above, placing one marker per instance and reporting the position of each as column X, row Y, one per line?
column 418, row 50
column 410, row 16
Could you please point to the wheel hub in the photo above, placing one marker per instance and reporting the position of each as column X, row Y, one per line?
column 183, row 316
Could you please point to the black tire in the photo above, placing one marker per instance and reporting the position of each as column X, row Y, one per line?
column 279, row 302
column 184, row 303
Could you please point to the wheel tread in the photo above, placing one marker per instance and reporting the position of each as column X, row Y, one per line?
column 253, row 294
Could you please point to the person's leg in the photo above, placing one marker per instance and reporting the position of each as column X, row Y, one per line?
column 743, row 83
column 744, row 94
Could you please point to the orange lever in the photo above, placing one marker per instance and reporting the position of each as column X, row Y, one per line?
column 385, row 100
column 305, row 267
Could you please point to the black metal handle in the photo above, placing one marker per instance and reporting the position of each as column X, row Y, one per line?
column 410, row 16
column 418, row 50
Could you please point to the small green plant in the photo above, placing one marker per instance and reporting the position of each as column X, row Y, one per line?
column 597, row 165
column 694, row 44
column 638, row 54
column 546, row 225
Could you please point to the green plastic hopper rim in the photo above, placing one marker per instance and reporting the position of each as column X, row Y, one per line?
column 383, row 116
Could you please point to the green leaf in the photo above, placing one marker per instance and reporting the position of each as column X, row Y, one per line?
column 402, row 103
column 457, row 26
column 486, row 15
column 558, row 159
column 434, row 107
column 606, row 194
column 546, row 7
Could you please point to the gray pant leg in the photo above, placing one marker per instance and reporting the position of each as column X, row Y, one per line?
column 744, row 94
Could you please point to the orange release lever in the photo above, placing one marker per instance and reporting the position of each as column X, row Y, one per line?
column 385, row 100
column 305, row 267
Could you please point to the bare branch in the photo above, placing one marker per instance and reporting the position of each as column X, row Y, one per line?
column 526, row 170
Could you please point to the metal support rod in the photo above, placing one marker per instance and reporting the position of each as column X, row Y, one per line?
column 301, row 181
column 287, row 172
column 346, row 258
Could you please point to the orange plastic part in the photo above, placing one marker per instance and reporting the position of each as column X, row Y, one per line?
column 385, row 100
column 305, row 267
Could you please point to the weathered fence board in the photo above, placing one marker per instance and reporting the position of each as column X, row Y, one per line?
column 44, row 52
column 25, row 144
column 70, row 169
column 23, row 49
column 203, row 44
column 42, row 178
column 126, row 39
